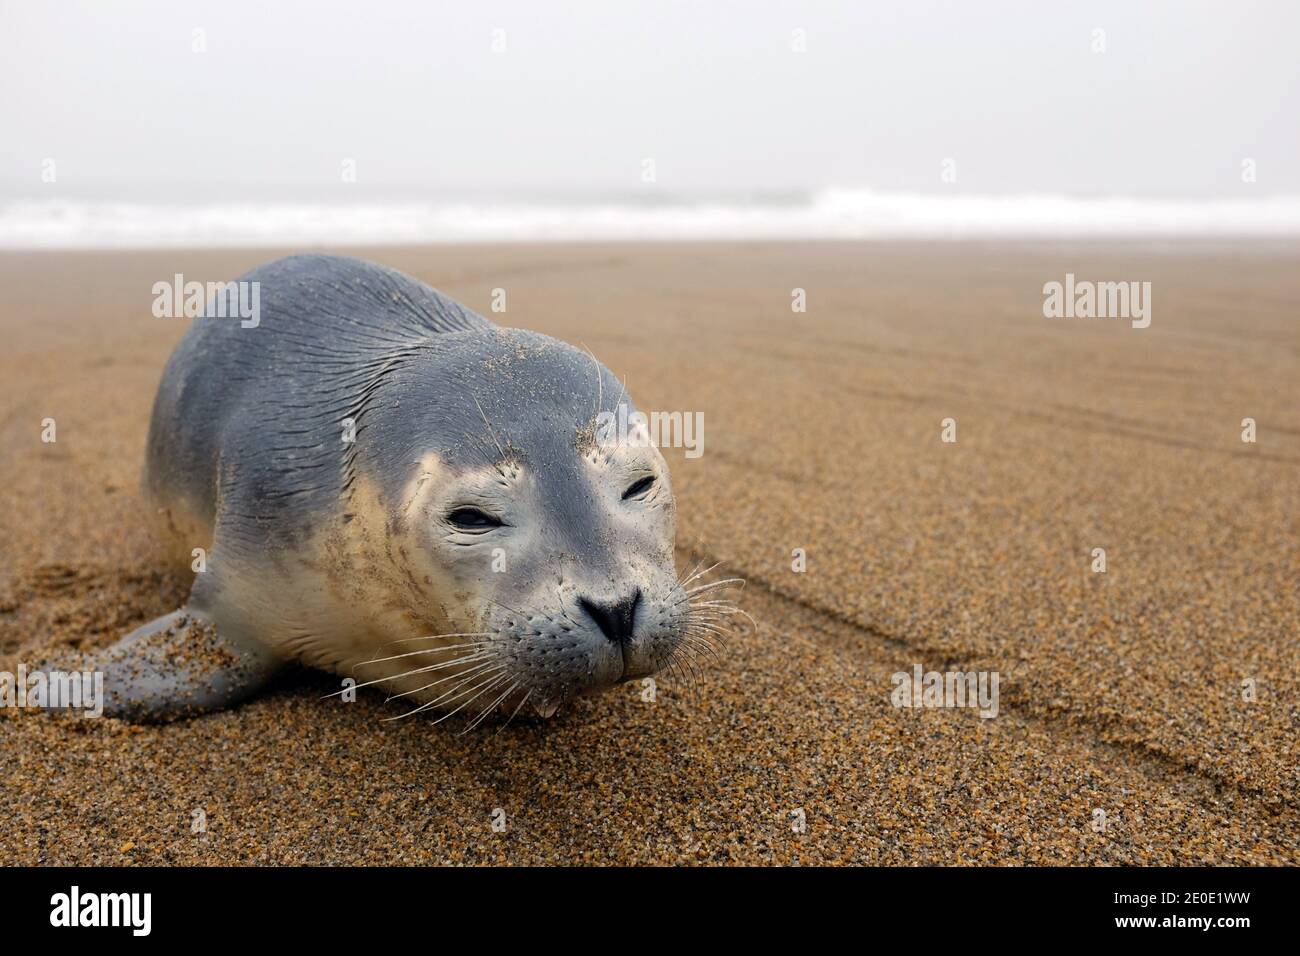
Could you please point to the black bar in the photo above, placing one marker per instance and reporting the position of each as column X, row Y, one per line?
column 337, row 905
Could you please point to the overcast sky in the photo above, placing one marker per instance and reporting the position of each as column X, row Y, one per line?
column 116, row 95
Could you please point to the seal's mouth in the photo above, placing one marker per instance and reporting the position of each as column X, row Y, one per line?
column 535, row 659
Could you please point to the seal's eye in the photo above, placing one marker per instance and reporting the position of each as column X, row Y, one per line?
column 473, row 520
column 640, row 488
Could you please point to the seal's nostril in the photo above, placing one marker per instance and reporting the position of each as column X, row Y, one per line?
column 614, row 618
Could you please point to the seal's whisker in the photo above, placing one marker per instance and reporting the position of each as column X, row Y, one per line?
column 715, row 585
column 704, row 608
column 489, row 708
column 722, row 624
column 688, row 660
column 475, row 660
column 664, row 661
column 507, row 607
column 702, row 647
column 697, row 656
column 712, row 647
column 481, row 448
column 683, row 579
column 722, row 614
column 392, row 677
column 709, row 602
column 696, row 594
column 711, row 609
column 466, row 674
column 726, row 627
column 461, row 686
column 439, row 665
column 673, row 666
column 708, row 623
column 489, row 428
column 427, row 650
column 712, row 642
column 473, row 682
column 518, row 707
column 480, row 690
column 697, row 639
column 713, row 632
column 435, row 637
column 708, row 631
column 698, row 573
column 446, row 647
column 687, row 683
column 622, row 392
column 718, row 629
column 710, row 585
column 718, row 615
column 740, row 612
column 455, row 692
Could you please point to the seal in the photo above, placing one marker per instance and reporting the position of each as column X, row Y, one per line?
column 376, row 481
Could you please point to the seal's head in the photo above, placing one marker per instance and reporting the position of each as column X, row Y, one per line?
column 534, row 522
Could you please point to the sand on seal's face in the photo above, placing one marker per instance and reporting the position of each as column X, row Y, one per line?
column 1120, row 692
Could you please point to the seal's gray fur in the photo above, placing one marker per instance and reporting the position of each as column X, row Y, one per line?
column 252, row 415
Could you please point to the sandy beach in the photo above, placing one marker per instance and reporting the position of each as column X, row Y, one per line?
column 1149, row 714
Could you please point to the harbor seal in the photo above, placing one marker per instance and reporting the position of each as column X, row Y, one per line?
column 376, row 481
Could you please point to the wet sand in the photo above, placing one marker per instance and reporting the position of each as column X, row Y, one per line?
column 1122, row 734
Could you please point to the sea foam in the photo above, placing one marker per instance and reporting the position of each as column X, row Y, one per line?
column 838, row 213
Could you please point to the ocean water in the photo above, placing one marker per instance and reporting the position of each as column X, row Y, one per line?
column 828, row 214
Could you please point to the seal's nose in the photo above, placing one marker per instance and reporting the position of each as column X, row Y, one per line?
column 614, row 618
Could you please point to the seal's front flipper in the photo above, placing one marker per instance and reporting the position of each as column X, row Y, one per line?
column 180, row 665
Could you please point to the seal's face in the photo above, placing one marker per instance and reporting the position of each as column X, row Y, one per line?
column 547, row 539
column 568, row 570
